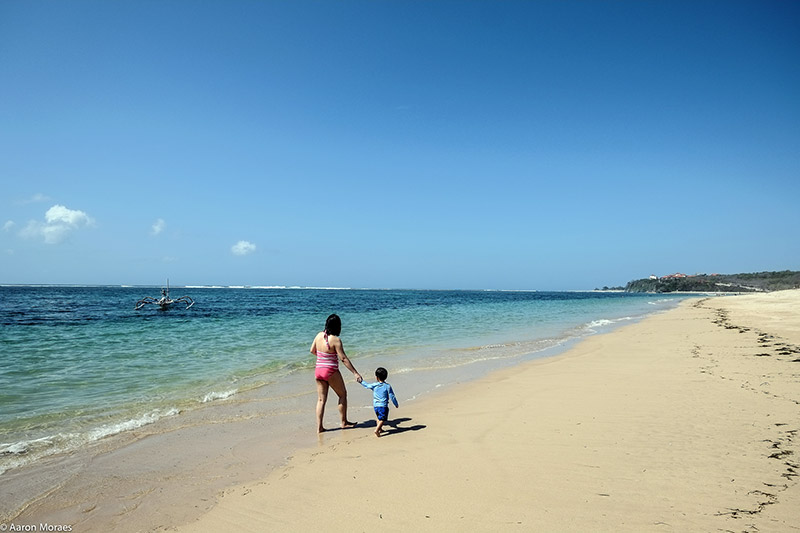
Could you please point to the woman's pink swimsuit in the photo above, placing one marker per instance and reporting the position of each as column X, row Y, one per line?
column 327, row 363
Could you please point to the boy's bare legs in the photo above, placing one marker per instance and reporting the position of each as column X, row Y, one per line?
column 322, row 398
column 379, row 429
column 337, row 384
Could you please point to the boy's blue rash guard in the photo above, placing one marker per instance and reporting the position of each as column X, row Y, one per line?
column 381, row 394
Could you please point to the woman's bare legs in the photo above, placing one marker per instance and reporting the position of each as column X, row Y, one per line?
column 337, row 384
column 322, row 397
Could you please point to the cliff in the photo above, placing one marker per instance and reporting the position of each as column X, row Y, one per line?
column 754, row 282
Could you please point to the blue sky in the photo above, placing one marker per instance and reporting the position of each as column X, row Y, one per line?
column 408, row 144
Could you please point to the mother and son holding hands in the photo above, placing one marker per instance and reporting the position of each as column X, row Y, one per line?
column 327, row 346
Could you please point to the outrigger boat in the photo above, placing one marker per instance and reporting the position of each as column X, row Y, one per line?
column 165, row 301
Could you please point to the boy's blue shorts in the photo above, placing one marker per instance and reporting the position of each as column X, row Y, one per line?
column 382, row 413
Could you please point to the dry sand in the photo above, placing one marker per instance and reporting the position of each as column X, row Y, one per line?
column 686, row 421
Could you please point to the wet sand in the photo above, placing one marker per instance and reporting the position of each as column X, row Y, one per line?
column 686, row 421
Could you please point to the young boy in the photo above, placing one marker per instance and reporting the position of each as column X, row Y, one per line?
column 381, row 394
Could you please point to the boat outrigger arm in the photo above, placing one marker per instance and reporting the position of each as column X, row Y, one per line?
column 165, row 301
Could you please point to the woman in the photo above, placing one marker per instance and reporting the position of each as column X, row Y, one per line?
column 329, row 350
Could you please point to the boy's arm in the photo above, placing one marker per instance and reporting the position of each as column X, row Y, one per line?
column 368, row 385
column 392, row 396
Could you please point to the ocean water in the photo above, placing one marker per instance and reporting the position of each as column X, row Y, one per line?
column 79, row 364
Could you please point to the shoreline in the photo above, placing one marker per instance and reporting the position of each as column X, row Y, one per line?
column 699, row 435
column 417, row 436
column 117, row 482
column 51, row 412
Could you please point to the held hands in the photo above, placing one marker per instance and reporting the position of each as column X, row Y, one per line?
column 359, row 379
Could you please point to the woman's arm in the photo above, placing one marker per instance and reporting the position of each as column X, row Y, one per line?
column 345, row 360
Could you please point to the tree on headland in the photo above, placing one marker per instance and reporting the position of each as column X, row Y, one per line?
column 752, row 282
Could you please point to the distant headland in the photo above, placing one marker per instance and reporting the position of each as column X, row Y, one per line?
column 678, row 282
column 752, row 282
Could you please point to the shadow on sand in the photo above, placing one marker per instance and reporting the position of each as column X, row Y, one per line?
column 392, row 427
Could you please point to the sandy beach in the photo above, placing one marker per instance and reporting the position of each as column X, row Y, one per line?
column 686, row 421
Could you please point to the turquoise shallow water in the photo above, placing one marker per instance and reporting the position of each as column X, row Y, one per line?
column 78, row 364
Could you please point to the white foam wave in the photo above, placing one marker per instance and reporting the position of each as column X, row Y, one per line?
column 127, row 425
column 23, row 447
column 24, row 452
column 266, row 287
column 602, row 322
column 661, row 301
column 498, row 345
column 214, row 395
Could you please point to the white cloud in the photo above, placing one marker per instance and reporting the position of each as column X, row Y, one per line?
column 58, row 214
column 36, row 198
column 8, row 225
column 243, row 248
column 39, row 197
column 158, row 226
column 59, row 222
